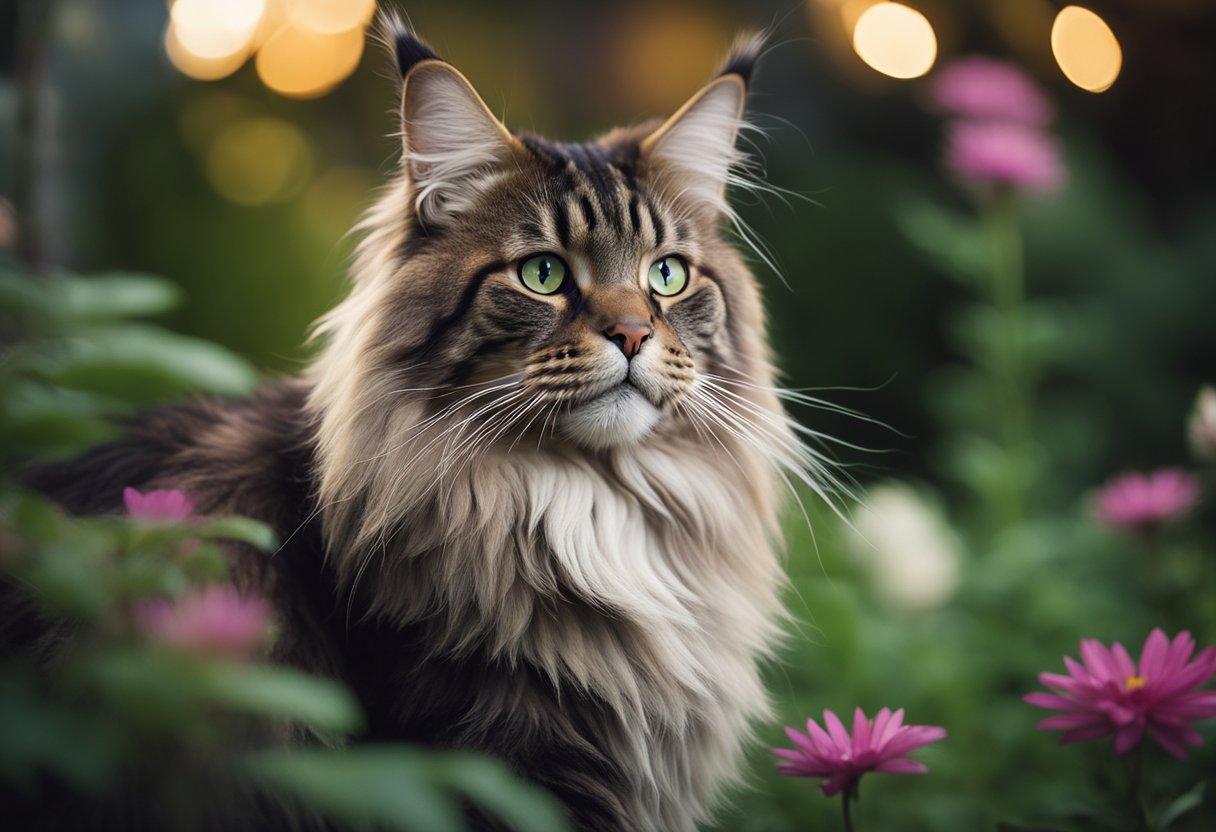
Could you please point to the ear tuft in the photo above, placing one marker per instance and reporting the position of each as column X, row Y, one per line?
column 743, row 56
column 408, row 49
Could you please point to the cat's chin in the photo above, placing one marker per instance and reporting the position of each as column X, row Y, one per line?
column 622, row 416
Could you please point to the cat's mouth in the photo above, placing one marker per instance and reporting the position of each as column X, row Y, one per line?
column 620, row 415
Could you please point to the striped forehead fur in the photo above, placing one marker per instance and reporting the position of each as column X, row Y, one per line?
column 642, row 577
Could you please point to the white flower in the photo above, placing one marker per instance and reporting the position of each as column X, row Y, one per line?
column 1202, row 426
column 911, row 552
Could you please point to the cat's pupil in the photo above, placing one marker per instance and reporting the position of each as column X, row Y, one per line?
column 544, row 270
column 665, row 270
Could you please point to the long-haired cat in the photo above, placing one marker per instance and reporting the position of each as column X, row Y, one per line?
column 529, row 487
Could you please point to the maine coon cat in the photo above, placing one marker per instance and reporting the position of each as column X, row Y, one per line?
column 529, row 487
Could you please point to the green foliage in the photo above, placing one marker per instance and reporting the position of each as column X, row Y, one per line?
column 406, row 789
column 73, row 361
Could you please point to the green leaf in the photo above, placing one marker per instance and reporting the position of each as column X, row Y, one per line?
column 26, row 296
column 1179, row 806
column 283, row 693
column 491, row 785
column 36, row 419
column 144, row 364
column 384, row 787
column 42, row 734
column 957, row 244
column 243, row 529
column 151, row 690
column 109, row 296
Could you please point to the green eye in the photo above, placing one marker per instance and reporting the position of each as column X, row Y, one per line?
column 668, row 275
column 543, row 274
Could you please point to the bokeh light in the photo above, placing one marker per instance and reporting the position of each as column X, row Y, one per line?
column 215, row 29
column 304, row 48
column 197, row 66
column 300, row 63
column 259, row 160
column 895, row 40
column 1086, row 49
column 331, row 16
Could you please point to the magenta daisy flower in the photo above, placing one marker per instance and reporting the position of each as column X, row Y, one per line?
column 214, row 620
column 1109, row 694
column 1139, row 502
column 158, row 505
column 881, row 744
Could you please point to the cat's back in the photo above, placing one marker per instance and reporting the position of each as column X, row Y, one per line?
column 229, row 456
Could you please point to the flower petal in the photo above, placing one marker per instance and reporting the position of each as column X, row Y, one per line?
column 1152, row 657
column 1098, row 660
column 902, row 765
column 1049, row 700
column 861, row 732
column 1127, row 737
column 1067, row 722
column 836, row 783
column 911, row 738
column 1123, row 661
column 1089, row 732
column 882, row 730
column 822, row 743
column 801, row 740
column 840, row 737
column 1173, row 741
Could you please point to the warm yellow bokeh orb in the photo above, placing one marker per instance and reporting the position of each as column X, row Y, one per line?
column 330, row 16
column 196, row 66
column 895, row 40
column 215, row 29
column 1086, row 49
column 259, row 160
column 301, row 63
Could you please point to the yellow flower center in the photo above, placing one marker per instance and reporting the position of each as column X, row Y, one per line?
column 1134, row 682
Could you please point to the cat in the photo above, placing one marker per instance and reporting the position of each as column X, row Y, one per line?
column 529, row 488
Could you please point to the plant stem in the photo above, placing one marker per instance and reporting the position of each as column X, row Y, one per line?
column 1135, row 782
column 1011, row 384
column 850, row 795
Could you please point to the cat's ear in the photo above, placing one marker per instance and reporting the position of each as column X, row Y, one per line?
column 452, row 143
column 695, row 148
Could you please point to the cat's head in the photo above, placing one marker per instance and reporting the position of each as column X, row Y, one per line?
column 581, row 292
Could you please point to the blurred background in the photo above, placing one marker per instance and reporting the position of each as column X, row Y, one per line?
column 229, row 147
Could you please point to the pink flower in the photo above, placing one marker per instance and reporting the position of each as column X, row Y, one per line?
column 1003, row 154
column 1139, row 502
column 214, row 620
column 157, row 505
column 980, row 88
column 878, row 745
column 1109, row 694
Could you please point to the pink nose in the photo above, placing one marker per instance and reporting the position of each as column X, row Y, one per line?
column 629, row 336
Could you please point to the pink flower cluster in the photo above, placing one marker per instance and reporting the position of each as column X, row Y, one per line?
column 161, row 506
column 1141, row 502
column 881, row 744
column 214, row 620
column 999, row 138
column 1108, row 693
